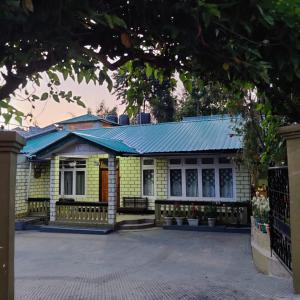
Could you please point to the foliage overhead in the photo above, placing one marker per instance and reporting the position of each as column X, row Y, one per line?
column 251, row 41
column 139, row 89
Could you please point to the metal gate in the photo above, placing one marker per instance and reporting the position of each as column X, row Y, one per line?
column 278, row 185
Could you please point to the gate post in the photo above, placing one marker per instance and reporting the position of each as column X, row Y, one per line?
column 292, row 136
column 10, row 145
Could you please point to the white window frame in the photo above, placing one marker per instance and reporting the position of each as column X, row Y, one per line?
column 148, row 167
column 199, row 166
column 73, row 170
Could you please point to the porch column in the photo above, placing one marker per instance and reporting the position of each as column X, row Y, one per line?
column 10, row 145
column 292, row 136
column 54, row 186
column 112, row 190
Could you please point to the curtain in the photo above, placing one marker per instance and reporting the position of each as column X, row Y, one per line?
column 226, row 183
column 191, row 182
column 176, row 182
column 80, row 182
column 68, row 183
column 208, row 182
column 148, row 182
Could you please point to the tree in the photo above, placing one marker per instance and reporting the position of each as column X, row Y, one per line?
column 241, row 42
column 103, row 110
column 207, row 99
column 137, row 90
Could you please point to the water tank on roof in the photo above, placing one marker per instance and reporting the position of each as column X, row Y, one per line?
column 112, row 118
column 124, row 119
column 143, row 118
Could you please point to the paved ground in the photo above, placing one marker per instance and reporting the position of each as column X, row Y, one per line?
column 152, row 264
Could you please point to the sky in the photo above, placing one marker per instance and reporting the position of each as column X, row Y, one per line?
column 49, row 111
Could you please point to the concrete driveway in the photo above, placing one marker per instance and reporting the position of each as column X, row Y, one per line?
column 149, row 264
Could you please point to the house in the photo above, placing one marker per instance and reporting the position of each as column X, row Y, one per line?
column 88, row 162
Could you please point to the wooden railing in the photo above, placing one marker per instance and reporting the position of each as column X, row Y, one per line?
column 82, row 212
column 227, row 213
column 39, row 207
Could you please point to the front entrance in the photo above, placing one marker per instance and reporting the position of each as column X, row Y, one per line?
column 103, row 181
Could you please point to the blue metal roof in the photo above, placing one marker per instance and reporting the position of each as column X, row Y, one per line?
column 86, row 118
column 201, row 135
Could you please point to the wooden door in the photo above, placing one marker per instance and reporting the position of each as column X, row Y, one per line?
column 103, row 192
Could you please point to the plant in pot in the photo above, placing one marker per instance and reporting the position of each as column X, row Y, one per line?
column 168, row 219
column 179, row 215
column 193, row 219
column 211, row 213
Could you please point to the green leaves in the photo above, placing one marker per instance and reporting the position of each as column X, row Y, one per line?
column 44, row 96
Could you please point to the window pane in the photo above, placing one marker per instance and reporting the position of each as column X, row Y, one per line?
column 191, row 182
column 207, row 160
column 148, row 162
column 68, row 183
column 191, row 161
column 224, row 160
column 175, row 161
column 148, row 182
column 226, row 183
column 208, row 182
column 80, row 182
column 176, row 183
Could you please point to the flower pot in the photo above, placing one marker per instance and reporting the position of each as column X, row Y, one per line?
column 211, row 222
column 179, row 220
column 168, row 221
column 193, row 222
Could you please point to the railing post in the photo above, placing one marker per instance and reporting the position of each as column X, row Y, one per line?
column 292, row 136
column 10, row 145
column 112, row 190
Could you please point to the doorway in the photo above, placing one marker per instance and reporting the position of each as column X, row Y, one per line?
column 103, row 181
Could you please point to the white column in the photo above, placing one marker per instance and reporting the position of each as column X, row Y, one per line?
column 112, row 190
column 54, row 186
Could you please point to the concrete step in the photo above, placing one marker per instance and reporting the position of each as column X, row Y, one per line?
column 22, row 224
column 136, row 224
column 75, row 229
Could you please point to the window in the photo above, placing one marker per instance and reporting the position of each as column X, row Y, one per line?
column 191, row 176
column 202, row 178
column 148, row 177
column 226, row 183
column 224, row 160
column 175, row 161
column 208, row 182
column 176, row 182
column 148, row 182
column 208, row 160
column 72, row 177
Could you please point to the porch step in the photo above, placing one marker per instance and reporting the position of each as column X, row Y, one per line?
column 135, row 224
column 77, row 230
column 22, row 224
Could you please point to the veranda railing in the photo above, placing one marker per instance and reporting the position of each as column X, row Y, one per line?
column 227, row 213
column 82, row 212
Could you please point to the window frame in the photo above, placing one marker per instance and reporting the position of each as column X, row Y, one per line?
column 199, row 166
column 148, row 167
column 62, row 170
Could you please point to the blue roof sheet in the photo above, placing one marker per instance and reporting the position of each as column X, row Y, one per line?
column 201, row 135
column 86, row 118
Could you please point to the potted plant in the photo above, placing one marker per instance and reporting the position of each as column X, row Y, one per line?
column 168, row 219
column 193, row 220
column 179, row 215
column 211, row 213
column 260, row 210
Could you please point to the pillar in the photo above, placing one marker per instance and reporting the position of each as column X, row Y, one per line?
column 112, row 190
column 54, row 186
column 10, row 145
column 292, row 136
